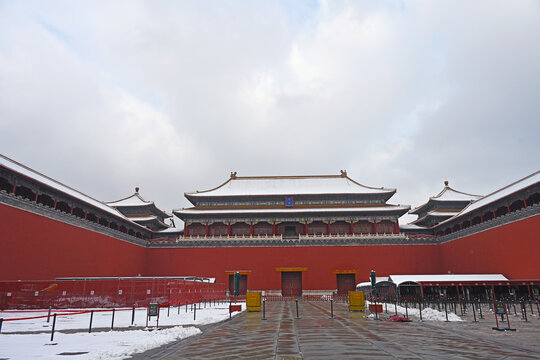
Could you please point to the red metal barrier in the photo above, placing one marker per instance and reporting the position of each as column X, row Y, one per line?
column 62, row 294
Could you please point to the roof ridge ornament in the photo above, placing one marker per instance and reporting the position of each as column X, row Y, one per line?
column 137, row 189
column 446, row 183
column 343, row 173
column 233, row 174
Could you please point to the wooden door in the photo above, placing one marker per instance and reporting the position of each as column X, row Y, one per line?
column 346, row 283
column 291, row 283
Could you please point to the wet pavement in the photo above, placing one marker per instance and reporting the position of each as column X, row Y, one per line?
column 350, row 335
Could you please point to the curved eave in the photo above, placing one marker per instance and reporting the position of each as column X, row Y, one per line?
column 432, row 200
column 154, row 221
column 398, row 211
column 197, row 198
column 154, row 209
column 431, row 215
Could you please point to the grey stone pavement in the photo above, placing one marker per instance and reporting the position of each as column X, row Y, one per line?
column 350, row 335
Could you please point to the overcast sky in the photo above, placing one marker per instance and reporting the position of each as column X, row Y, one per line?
column 173, row 96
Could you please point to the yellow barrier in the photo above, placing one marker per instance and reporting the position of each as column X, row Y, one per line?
column 357, row 301
column 253, row 301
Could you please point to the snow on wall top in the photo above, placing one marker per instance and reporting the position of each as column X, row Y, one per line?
column 45, row 180
column 501, row 193
column 399, row 279
column 290, row 185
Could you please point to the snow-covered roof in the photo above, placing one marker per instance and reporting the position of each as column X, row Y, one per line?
column 501, row 193
column 47, row 181
column 171, row 230
column 290, row 185
column 448, row 194
column 136, row 200
column 411, row 226
column 368, row 209
column 440, row 214
column 143, row 218
column 378, row 279
column 399, row 279
column 132, row 200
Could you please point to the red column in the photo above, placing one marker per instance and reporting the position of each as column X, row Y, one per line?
column 374, row 227
column 329, row 228
column 396, row 228
column 274, row 228
column 71, row 210
column 494, row 214
column 85, row 215
column 229, row 229
column 55, row 202
column 14, row 188
column 306, row 228
column 351, row 228
column 207, row 230
column 525, row 202
column 251, row 229
column 508, row 209
column 35, row 198
column 186, row 229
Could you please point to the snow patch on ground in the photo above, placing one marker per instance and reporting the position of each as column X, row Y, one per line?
column 103, row 345
column 117, row 344
column 428, row 314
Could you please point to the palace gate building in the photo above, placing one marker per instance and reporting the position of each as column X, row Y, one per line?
column 287, row 235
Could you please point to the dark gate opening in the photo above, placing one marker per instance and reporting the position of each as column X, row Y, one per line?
column 242, row 288
column 291, row 283
column 346, row 283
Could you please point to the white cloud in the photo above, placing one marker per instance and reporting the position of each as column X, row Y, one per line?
column 172, row 96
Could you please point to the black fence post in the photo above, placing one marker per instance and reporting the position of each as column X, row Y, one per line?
column 474, row 313
column 331, row 308
column 168, row 309
column 446, row 311
column 133, row 315
column 195, row 313
column 297, row 316
column 49, row 314
column 1, row 321
column 420, row 308
column 264, row 310
column 53, row 326
column 480, row 308
column 524, row 307
column 91, row 318
column 112, row 321
column 406, row 310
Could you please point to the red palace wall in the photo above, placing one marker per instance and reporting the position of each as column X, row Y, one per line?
column 512, row 250
column 320, row 261
column 34, row 247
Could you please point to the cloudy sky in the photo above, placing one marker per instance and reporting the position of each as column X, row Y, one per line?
column 172, row 96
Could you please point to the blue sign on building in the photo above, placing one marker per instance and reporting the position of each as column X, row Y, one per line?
column 289, row 201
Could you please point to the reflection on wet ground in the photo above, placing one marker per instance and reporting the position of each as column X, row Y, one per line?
column 349, row 335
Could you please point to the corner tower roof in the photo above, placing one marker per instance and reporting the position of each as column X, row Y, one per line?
column 447, row 194
column 289, row 185
column 136, row 200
